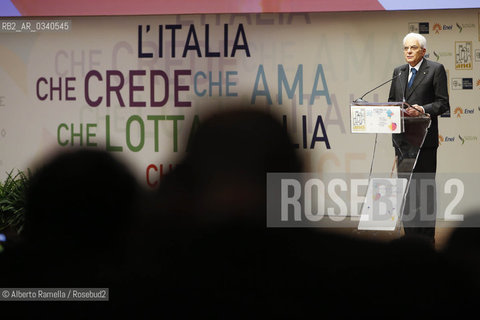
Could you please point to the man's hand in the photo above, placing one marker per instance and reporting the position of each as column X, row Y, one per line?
column 415, row 110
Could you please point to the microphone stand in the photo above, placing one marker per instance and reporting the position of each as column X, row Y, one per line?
column 360, row 100
column 384, row 83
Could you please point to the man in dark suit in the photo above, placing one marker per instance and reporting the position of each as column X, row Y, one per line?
column 423, row 85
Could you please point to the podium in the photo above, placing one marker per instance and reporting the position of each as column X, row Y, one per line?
column 398, row 139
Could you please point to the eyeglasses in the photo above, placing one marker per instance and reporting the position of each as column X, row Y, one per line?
column 413, row 48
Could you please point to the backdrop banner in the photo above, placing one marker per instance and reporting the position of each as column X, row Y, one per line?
column 138, row 86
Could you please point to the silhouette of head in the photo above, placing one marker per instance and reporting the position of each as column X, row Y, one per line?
column 229, row 159
column 82, row 197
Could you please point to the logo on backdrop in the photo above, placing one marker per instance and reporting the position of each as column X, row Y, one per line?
column 467, row 83
column 446, row 114
column 419, row 27
column 437, row 27
column 478, row 83
column 445, row 139
column 459, row 27
column 462, row 26
column 477, row 55
column 464, row 139
column 463, row 55
column 462, row 83
column 439, row 54
column 459, row 111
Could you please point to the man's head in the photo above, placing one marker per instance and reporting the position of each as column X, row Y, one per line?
column 414, row 48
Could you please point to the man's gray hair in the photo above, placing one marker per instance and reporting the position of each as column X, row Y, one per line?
column 421, row 39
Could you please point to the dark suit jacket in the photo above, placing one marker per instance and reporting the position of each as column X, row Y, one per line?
column 429, row 90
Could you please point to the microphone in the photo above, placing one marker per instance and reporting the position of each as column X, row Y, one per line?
column 361, row 98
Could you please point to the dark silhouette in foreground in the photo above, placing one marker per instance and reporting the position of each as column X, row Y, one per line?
column 79, row 210
column 199, row 244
